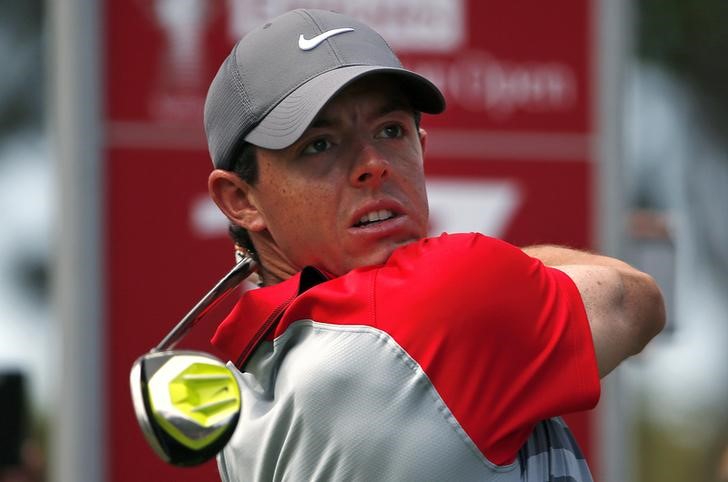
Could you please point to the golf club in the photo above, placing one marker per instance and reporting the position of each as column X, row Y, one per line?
column 188, row 403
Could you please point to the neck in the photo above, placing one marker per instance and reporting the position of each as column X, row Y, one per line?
column 270, row 278
column 274, row 265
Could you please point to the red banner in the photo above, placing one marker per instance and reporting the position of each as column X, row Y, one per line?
column 510, row 157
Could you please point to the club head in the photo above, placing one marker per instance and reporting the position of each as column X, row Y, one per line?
column 187, row 404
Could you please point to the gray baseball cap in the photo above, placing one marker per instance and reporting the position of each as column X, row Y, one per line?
column 279, row 76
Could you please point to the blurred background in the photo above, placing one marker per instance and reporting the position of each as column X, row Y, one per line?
column 667, row 409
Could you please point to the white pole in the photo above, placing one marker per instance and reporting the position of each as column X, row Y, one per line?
column 77, row 443
column 613, row 27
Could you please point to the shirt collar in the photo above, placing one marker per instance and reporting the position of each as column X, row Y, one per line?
column 244, row 323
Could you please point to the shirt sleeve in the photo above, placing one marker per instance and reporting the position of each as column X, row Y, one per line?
column 504, row 339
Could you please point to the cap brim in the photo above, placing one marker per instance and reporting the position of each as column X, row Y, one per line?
column 287, row 121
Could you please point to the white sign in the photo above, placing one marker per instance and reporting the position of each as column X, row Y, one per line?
column 436, row 26
column 472, row 205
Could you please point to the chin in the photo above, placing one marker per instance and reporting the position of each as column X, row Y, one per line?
column 377, row 257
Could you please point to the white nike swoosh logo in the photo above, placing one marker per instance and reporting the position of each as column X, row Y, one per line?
column 310, row 44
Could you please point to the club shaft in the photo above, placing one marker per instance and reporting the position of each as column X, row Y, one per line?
column 244, row 268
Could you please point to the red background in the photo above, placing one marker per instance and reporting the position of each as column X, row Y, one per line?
column 157, row 266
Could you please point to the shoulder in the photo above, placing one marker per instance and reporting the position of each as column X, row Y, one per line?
column 456, row 250
column 476, row 283
column 463, row 277
column 454, row 261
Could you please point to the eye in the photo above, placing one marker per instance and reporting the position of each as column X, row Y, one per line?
column 317, row 146
column 391, row 131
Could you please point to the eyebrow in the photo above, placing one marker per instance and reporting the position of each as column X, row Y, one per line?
column 395, row 105
column 321, row 121
column 390, row 106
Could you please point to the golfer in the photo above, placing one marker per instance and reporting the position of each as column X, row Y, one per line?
column 372, row 352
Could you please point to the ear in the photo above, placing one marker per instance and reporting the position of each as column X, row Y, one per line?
column 423, row 140
column 234, row 198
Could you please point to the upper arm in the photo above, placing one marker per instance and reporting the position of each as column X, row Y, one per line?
column 624, row 308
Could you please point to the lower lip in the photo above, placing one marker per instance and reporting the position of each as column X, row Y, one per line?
column 381, row 228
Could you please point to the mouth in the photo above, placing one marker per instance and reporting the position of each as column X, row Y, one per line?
column 374, row 217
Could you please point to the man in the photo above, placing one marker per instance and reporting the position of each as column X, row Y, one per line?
column 373, row 352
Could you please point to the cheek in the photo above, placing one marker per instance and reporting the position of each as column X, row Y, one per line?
column 423, row 206
column 297, row 210
column 414, row 179
column 417, row 193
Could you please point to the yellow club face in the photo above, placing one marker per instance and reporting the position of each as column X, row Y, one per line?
column 194, row 398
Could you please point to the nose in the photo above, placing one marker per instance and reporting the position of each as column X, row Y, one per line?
column 370, row 167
